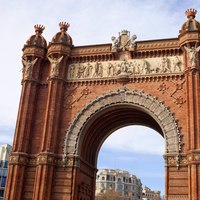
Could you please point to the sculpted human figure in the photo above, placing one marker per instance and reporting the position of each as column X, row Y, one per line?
column 132, row 39
column 145, row 67
column 72, row 71
column 110, row 70
column 192, row 55
column 177, row 64
column 98, row 70
column 55, row 65
column 28, row 67
column 115, row 42
column 81, row 71
column 88, row 71
column 164, row 65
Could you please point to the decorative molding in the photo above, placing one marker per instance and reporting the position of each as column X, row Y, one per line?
column 87, row 50
column 174, row 92
column 140, row 99
column 158, row 44
column 70, row 97
column 132, row 67
column 175, row 160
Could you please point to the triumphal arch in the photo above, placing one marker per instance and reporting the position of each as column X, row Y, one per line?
column 74, row 97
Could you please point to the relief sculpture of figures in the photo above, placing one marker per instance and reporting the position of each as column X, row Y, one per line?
column 110, row 70
column 88, row 71
column 192, row 55
column 164, row 65
column 28, row 67
column 72, row 71
column 98, row 70
column 130, row 67
column 81, row 71
column 55, row 65
column 177, row 64
column 146, row 67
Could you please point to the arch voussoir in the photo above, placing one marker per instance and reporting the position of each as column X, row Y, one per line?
column 149, row 103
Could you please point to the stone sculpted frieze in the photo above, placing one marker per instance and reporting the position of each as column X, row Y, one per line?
column 133, row 67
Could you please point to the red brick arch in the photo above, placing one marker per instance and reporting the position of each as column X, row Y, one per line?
column 161, row 118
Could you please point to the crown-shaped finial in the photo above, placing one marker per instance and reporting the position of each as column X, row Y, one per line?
column 39, row 28
column 191, row 13
column 64, row 26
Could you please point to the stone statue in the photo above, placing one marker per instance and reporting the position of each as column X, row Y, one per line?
column 132, row 39
column 192, row 55
column 115, row 42
column 55, row 65
column 28, row 67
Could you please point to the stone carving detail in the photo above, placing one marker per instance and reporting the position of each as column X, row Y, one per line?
column 71, row 98
column 134, row 67
column 124, row 41
column 176, row 160
column 123, row 96
column 55, row 65
column 178, row 100
column 192, row 55
column 28, row 67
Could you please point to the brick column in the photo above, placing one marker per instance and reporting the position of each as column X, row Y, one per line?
column 44, row 172
column 18, row 158
column 193, row 127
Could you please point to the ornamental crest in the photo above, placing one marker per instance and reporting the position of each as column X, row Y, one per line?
column 124, row 41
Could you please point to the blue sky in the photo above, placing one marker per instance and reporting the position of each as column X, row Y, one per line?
column 92, row 22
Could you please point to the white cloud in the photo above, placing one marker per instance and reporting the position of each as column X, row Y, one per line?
column 135, row 139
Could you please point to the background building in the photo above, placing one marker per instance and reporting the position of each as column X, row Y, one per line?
column 4, row 157
column 126, row 185
column 148, row 194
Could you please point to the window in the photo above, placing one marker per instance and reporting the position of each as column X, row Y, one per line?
column 107, row 177
column 3, row 182
column 1, row 193
column 119, row 187
column 6, row 164
column 103, row 178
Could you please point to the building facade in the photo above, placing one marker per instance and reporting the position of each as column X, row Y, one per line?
column 148, row 194
column 126, row 185
column 5, row 151
column 74, row 97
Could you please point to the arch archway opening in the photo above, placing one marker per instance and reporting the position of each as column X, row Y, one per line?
column 108, row 120
column 101, row 117
column 136, row 153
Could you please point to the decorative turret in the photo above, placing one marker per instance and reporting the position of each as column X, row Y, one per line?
column 36, row 45
column 190, row 30
column 61, row 42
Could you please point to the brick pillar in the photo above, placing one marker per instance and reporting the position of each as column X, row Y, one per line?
column 18, row 158
column 45, row 168
column 193, row 126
